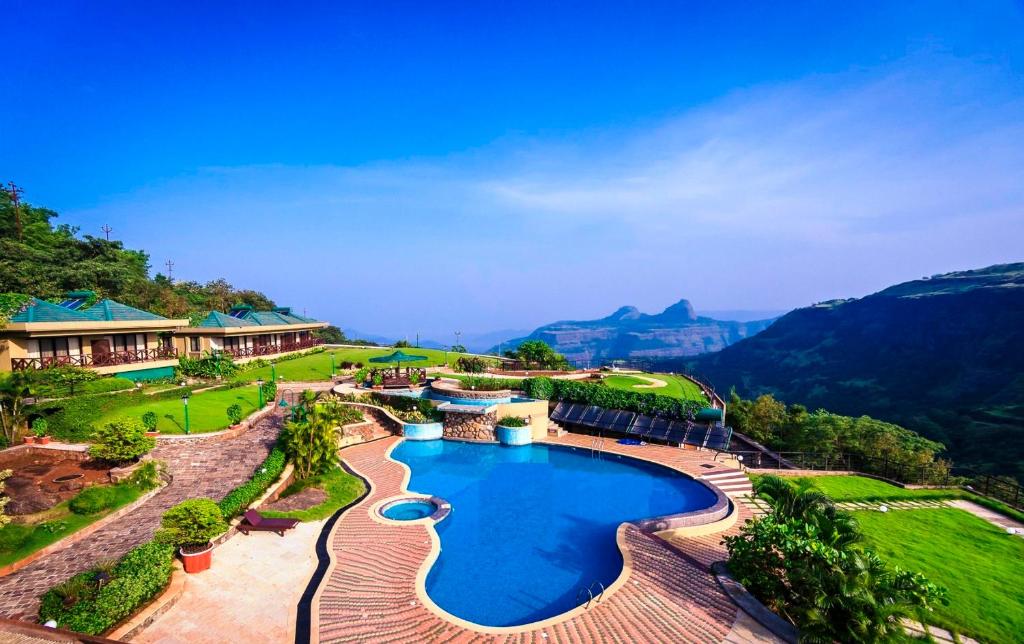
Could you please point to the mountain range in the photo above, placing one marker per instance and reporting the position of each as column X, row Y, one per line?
column 943, row 356
column 676, row 332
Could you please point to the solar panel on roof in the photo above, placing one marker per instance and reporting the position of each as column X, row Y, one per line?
column 659, row 429
column 718, row 438
column 623, row 421
column 74, row 303
column 238, row 313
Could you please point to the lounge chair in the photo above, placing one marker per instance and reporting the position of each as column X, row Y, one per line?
column 253, row 521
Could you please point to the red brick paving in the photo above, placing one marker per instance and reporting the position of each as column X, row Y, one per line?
column 199, row 467
column 370, row 593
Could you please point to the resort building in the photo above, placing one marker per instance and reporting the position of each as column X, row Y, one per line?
column 106, row 336
column 245, row 333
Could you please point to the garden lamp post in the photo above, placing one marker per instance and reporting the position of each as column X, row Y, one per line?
column 273, row 373
column 184, row 401
column 332, row 365
column 259, row 391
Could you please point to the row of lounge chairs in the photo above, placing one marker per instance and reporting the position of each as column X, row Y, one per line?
column 714, row 437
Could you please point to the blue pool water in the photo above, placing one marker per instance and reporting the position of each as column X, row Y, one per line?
column 409, row 510
column 531, row 525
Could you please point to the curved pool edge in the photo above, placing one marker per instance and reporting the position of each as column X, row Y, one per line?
column 620, row 541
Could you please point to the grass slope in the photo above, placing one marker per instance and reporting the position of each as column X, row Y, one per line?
column 60, row 522
column 206, row 410
column 979, row 564
column 342, row 488
column 862, row 488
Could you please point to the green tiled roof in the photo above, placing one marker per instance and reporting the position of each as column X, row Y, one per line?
column 111, row 311
column 216, row 319
column 43, row 311
column 103, row 311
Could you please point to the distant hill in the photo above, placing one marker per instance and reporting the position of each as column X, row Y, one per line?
column 676, row 332
column 943, row 356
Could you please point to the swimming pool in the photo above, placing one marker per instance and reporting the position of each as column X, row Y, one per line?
column 532, row 525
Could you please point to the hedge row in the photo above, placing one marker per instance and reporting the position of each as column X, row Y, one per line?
column 587, row 393
column 136, row 578
column 239, row 498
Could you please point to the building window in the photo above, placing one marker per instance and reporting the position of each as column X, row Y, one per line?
column 125, row 343
column 193, row 344
column 50, row 347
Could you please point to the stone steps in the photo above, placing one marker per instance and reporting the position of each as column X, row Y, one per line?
column 730, row 481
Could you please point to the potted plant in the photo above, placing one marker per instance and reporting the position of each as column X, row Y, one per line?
column 360, row 376
column 234, row 413
column 149, row 421
column 414, row 378
column 39, row 427
column 513, row 430
column 378, row 380
column 190, row 526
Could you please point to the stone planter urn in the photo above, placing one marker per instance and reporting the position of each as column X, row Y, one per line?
column 196, row 559
column 42, row 440
column 514, row 435
column 30, row 440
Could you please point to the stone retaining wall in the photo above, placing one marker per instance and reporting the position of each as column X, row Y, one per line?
column 454, row 390
column 470, row 426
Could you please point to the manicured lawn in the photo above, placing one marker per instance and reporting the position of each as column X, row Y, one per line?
column 59, row 522
column 980, row 565
column 317, row 366
column 206, row 410
column 675, row 386
column 341, row 487
column 861, row 488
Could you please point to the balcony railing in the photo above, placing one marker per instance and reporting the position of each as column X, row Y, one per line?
column 271, row 349
column 110, row 359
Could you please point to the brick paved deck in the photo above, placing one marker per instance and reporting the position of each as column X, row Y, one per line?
column 370, row 592
column 199, row 467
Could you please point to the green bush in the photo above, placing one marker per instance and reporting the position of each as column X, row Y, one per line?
column 239, row 498
column 538, row 388
column 40, row 427
column 194, row 522
column 92, row 500
column 94, row 609
column 471, row 364
column 150, row 420
column 269, row 391
column 209, row 366
column 146, row 477
column 121, row 441
column 361, row 375
column 234, row 413
column 512, row 421
column 107, row 385
column 13, row 535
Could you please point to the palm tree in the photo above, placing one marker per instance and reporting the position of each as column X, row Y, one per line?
column 835, row 527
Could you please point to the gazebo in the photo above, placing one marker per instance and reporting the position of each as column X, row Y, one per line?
column 393, row 377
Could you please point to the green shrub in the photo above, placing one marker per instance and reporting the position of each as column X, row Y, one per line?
column 361, row 375
column 146, row 477
column 13, row 535
column 512, row 421
column 269, row 391
column 92, row 500
column 239, row 498
column 80, row 604
column 107, row 385
column 471, row 364
column 40, row 427
column 209, row 366
column 150, row 420
column 121, row 441
column 539, row 388
column 191, row 523
column 234, row 413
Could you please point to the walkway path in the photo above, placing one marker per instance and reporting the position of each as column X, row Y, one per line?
column 249, row 595
column 370, row 592
column 199, row 467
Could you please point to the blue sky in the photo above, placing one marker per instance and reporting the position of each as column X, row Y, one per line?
column 417, row 167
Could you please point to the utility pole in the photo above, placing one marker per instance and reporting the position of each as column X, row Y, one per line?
column 106, row 230
column 170, row 270
column 458, row 334
column 14, row 192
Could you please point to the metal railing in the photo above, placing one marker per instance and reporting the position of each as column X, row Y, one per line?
column 271, row 349
column 110, row 359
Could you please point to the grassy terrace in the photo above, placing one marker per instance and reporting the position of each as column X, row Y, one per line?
column 317, row 366
column 675, row 386
column 341, row 487
column 979, row 564
column 206, row 410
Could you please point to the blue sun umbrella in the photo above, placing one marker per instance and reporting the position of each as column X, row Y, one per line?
column 399, row 357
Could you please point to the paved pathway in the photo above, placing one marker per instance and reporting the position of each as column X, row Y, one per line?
column 249, row 595
column 370, row 592
column 200, row 467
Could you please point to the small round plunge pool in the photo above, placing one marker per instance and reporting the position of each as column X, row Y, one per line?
column 409, row 510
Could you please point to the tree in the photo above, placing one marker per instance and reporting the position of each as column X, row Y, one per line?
column 805, row 561
column 458, row 348
column 331, row 335
column 312, row 439
column 67, row 377
column 538, row 353
column 14, row 389
column 121, row 441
